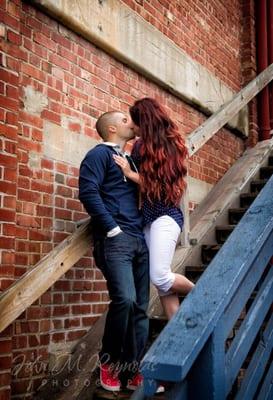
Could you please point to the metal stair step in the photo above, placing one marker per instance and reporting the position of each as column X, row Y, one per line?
column 246, row 199
column 270, row 161
column 208, row 251
column 266, row 172
column 257, row 185
column 222, row 232
column 235, row 214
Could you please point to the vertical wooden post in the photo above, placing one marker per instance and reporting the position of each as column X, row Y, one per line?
column 184, row 205
column 207, row 378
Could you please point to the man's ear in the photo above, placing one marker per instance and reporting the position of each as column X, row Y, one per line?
column 112, row 129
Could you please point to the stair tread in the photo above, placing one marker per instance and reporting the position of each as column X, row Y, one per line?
column 211, row 246
column 238, row 209
column 257, row 181
column 267, row 167
column 246, row 195
column 195, row 268
column 228, row 227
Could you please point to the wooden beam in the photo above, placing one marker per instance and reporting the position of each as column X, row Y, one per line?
column 212, row 125
column 39, row 278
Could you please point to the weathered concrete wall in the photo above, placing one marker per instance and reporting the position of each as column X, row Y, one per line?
column 117, row 29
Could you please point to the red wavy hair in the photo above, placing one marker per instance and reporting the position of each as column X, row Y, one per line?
column 162, row 151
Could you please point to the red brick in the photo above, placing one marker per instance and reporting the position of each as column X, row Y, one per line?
column 48, row 164
column 51, row 116
column 23, row 182
column 81, row 309
column 61, row 310
column 91, row 297
column 71, row 323
column 6, row 243
column 61, row 40
column 8, row 103
column 38, row 312
column 59, row 61
column 27, row 195
column 63, row 214
column 8, row 131
column 8, row 258
column 5, row 393
column 44, row 211
column 62, row 285
column 73, row 335
column 33, row 72
column 42, row 186
column 44, row 41
column 40, row 235
column 58, row 337
column 7, row 215
column 5, row 284
column 5, row 346
column 9, row 20
column 14, row 38
column 5, row 379
column 31, row 119
column 5, row 362
column 25, row 220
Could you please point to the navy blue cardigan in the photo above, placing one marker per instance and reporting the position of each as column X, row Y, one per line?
column 109, row 198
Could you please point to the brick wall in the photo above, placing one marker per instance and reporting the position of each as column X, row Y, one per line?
column 209, row 31
column 51, row 75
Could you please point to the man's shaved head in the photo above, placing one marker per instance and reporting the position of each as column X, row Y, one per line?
column 104, row 121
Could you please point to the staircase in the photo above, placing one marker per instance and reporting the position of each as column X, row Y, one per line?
column 201, row 255
column 210, row 226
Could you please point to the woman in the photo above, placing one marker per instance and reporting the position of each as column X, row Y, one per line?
column 160, row 155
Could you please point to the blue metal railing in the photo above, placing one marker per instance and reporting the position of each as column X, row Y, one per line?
column 194, row 352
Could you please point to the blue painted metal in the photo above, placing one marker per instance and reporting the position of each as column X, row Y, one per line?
column 249, row 329
column 257, row 365
column 266, row 392
column 174, row 355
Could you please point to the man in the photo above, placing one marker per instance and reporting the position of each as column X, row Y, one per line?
column 119, row 251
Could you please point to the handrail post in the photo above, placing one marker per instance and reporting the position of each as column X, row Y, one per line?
column 207, row 378
column 184, row 205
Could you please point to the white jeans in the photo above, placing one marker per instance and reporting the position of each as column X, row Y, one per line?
column 161, row 237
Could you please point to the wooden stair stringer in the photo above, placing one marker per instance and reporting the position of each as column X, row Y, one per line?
column 213, row 211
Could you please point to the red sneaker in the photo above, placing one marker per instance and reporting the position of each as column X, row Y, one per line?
column 109, row 379
column 135, row 382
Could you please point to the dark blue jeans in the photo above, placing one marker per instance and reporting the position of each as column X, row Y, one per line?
column 124, row 262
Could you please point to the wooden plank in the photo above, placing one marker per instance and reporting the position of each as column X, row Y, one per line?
column 249, row 328
column 266, row 392
column 39, row 278
column 80, row 371
column 207, row 377
column 204, row 217
column 257, row 365
column 178, row 345
column 184, row 205
column 235, row 307
column 206, row 130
